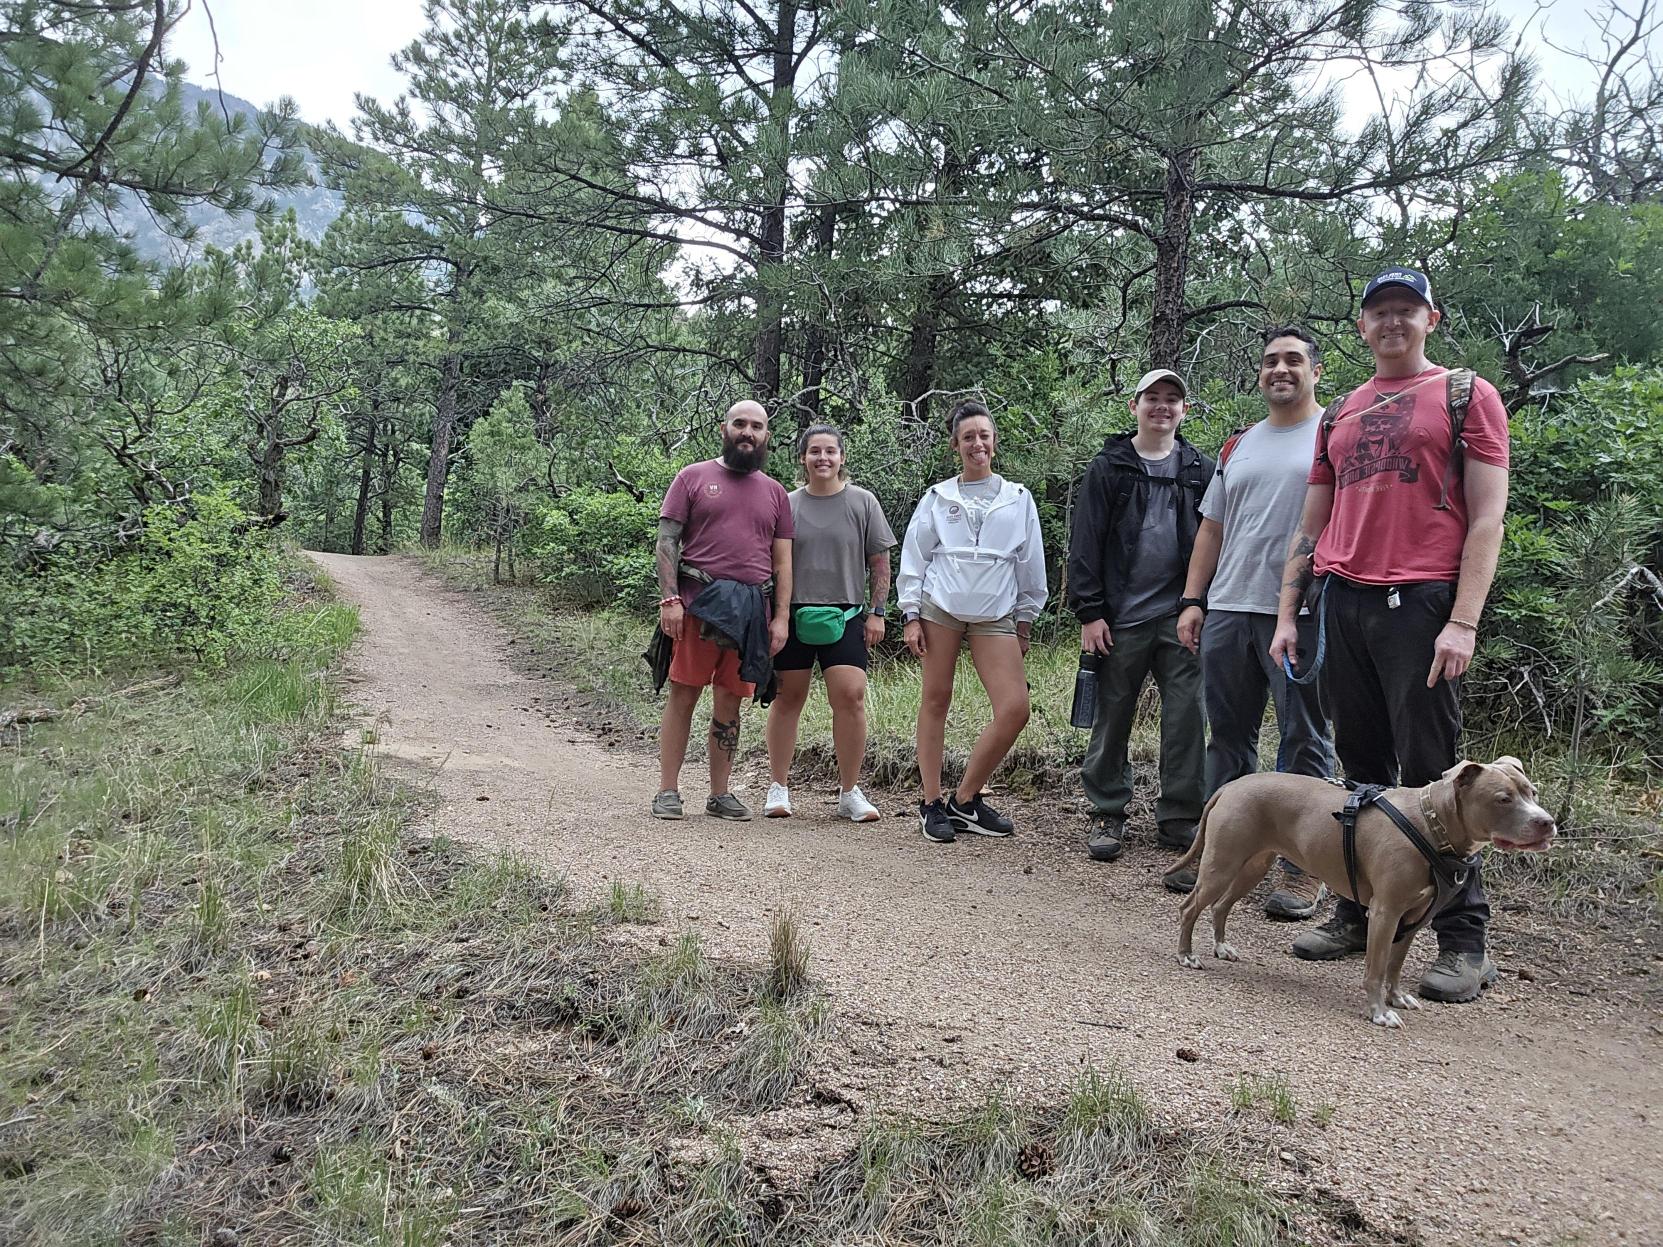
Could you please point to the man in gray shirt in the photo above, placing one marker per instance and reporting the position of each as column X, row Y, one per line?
column 1235, row 580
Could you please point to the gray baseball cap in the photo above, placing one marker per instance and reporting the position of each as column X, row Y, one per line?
column 1160, row 374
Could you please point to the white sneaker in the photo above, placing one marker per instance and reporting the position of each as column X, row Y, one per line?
column 778, row 804
column 854, row 806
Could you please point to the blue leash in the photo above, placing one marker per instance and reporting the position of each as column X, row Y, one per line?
column 1322, row 640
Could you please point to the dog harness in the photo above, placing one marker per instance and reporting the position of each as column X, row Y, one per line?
column 1449, row 871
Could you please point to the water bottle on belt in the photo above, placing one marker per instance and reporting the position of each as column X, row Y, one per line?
column 1084, row 711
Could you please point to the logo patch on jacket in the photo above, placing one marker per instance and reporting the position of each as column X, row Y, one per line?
column 952, row 512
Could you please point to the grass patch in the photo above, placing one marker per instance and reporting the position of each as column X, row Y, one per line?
column 1268, row 1094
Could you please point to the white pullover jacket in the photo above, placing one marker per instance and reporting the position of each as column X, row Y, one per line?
column 976, row 579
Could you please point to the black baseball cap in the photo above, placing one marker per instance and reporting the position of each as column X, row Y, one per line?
column 1410, row 279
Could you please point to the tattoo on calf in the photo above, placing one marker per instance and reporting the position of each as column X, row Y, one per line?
column 724, row 735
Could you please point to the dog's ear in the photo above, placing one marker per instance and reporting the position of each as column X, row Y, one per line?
column 1508, row 762
column 1464, row 774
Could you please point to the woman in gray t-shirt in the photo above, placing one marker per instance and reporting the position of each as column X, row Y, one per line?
column 842, row 542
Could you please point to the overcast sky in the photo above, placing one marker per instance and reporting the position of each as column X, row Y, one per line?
column 322, row 51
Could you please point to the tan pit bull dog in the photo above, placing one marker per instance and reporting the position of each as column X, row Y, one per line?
column 1248, row 822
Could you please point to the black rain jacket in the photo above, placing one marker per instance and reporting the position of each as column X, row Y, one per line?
column 1109, row 508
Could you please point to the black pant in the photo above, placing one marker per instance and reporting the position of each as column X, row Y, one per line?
column 1389, row 728
column 1237, row 678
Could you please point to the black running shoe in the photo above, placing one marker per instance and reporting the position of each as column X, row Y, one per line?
column 978, row 818
column 932, row 815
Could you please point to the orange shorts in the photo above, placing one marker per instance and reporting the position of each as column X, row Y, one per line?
column 697, row 662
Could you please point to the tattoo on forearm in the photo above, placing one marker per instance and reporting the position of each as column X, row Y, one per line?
column 667, row 550
column 724, row 735
column 1299, row 571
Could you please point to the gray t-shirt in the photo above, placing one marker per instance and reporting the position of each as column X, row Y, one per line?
column 836, row 534
column 1257, row 498
column 1155, row 580
column 979, row 497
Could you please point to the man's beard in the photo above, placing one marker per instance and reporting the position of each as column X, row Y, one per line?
column 742, row 460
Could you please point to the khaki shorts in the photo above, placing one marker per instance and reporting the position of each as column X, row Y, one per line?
column 930, row 613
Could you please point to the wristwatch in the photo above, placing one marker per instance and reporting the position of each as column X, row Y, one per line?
column 1183, row 603
column 877, row 612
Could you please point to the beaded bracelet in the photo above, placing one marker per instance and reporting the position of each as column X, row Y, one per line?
column 673, row 599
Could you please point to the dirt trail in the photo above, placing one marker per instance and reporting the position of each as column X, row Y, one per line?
column 1532, row 1117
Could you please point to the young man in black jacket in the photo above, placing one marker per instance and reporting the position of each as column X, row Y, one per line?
column 1135, row 519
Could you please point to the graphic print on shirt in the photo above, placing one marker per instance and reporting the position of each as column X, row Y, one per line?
column 1386, row 442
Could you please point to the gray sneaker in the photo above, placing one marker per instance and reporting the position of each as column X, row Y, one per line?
column 1334, row 939
column 1457, row 977
column 667, row 804
column 1104, row 837
column 729, row 807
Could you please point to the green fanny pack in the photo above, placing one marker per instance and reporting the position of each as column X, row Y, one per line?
column 822, row 625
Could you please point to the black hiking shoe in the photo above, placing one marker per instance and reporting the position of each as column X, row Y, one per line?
column 1176, row 833
column 1105, row 837
column 978, row 818
column 1179, row 879
column 932, row 816
column 1457, row 977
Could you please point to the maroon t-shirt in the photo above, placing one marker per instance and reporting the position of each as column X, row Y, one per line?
column 1386, row 457
column 730, row 521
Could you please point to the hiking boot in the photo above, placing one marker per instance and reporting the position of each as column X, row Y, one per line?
column 729, row 807
column 1181, row 879
column 1175, row 833
column 667, row 804
column 1457, row 977
column 854, row 806
column 778, row 804
column 1334, row 939
column 1105, row 835
column 1296, row 897
column 932, row 816
column 978, row 818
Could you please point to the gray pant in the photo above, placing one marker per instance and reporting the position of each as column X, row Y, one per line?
column 1140, row 651
column 1237, row 677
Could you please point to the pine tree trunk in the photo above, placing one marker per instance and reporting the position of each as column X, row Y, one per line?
column 390, row 463
column 919, row 376
column 770, row 330
column 817, row 340
column 444, row 426
column 541, row 427
column 1172, row 253
column 366, row 473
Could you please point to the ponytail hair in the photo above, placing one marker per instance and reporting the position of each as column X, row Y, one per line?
column 964, row 411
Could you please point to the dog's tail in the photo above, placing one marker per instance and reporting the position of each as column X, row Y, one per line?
column 1193, row 855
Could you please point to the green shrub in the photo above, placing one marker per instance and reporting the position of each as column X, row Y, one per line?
column 597, row 547
column 200, row 581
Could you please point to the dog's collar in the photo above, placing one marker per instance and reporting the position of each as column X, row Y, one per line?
column 1435, row 824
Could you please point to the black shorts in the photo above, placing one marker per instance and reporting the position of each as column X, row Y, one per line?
column 848, row 651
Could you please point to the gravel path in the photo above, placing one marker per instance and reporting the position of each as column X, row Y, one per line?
column 1532, row 1117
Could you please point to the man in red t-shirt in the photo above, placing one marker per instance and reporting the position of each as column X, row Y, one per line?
column 732, row 521
column 1406, row 545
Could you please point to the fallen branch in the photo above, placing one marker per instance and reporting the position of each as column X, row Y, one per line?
column 78, row 707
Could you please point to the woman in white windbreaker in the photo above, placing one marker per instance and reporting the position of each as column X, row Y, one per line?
column 972, row 565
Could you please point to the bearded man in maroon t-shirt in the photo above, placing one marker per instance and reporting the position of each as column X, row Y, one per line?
column 1406, row 544
column 731, row 521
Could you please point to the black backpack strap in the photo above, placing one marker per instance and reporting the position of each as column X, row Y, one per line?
column 1330, row 417
column 1457, row 398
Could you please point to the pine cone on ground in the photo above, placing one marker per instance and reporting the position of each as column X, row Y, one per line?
column 1035, row 1161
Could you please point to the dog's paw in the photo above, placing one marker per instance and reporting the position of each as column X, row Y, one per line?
column 1225, row 952
column 1386, row 1017
column 1190, row 961
column 1403, row 1000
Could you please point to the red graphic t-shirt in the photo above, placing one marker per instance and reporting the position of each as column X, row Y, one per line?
column 730, row 520
column 1386, row 457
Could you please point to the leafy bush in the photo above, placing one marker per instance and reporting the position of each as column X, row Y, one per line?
column 597, row 547
column 200, row 580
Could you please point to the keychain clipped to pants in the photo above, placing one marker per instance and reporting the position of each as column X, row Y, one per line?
column 1394, row 599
